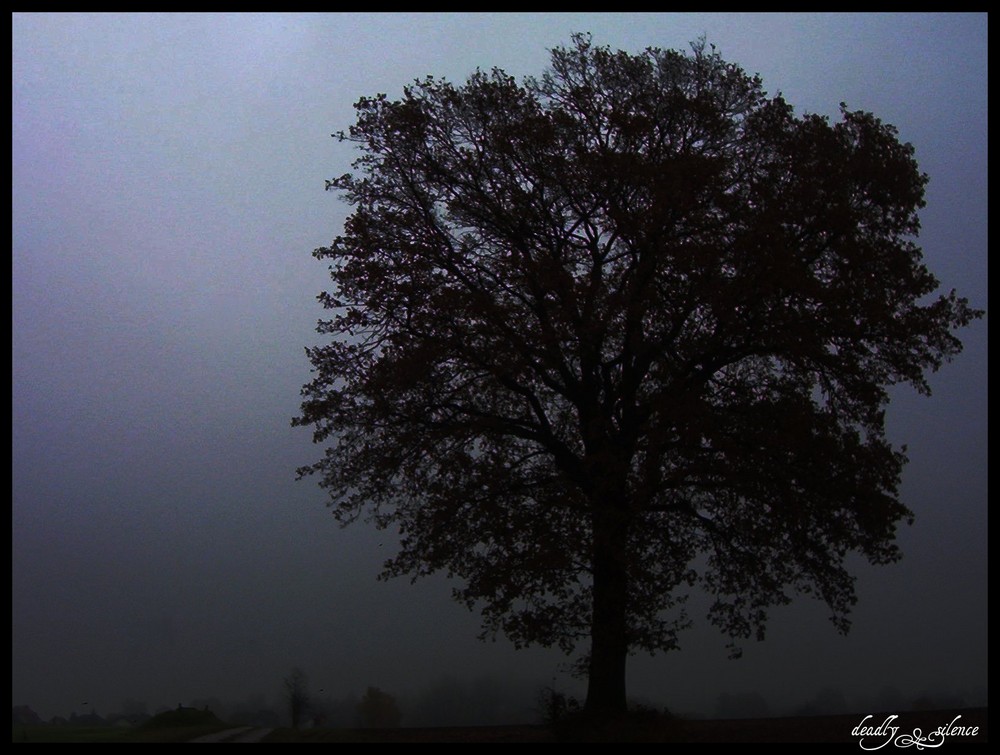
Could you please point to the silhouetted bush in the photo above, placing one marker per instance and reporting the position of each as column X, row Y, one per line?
column 182, row 717
column 378, row 710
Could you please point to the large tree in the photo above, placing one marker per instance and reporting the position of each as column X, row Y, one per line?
column 619, row 331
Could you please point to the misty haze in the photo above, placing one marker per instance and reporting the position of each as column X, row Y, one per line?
column 168, row 190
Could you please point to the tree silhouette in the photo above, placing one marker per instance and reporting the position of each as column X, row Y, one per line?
column 297, row 696
column 621, row 330
column 378, row 710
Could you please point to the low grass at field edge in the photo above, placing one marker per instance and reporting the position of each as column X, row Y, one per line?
column 102, row 734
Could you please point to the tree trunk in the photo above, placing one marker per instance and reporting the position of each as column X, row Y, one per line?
column 609, row 642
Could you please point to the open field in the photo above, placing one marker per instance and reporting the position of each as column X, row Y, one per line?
column 794, row 729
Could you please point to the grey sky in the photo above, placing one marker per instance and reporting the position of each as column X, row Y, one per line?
column 167, row 193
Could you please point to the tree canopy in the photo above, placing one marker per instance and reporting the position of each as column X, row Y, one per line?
column 618, row 331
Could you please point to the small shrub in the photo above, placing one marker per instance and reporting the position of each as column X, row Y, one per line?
column 182, row 717
column 556, row 706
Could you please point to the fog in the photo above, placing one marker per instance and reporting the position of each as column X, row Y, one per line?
column 168, row 175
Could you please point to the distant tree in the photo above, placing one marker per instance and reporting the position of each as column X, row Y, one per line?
column 619, row 330
column 554, row 706
column 378, row 710
column 24, row 715
column 297, row 696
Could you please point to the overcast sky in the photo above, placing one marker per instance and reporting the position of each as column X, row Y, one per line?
column 168, row 175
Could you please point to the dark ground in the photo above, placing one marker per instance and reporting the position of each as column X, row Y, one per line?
column 805, row 729
column 839, row 728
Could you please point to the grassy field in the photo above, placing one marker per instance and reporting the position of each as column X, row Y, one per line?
column 111, row 733
column 181, row 725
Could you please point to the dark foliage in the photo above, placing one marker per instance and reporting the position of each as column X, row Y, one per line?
column 378, row 710
column 182, row 716
column 623, row 329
